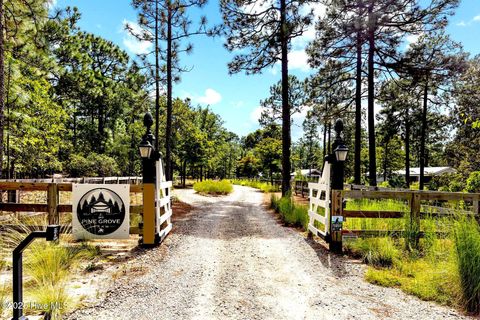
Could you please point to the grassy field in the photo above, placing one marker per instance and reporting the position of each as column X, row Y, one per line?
column 445, row 268
column 262, row 186
column 292, row 214
column 213, row 187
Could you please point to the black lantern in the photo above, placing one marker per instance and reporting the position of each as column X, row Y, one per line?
column 341, row 153
column 145, row 148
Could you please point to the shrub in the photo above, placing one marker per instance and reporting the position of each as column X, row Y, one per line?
column 213, row 187
column 467, row 248
column 455, row 186
column 78, row 166
column 473, row 182
column 379, row 252
column 291, row 213
column 92, row 166
column 414, row 185
column 262, row 186
column 103, row 165
column 384, row 184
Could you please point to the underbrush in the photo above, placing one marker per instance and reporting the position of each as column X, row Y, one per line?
column 467, row 249
column 213, row 187
column 380, row 252
column 262, row 186
column 446, row 270
column 48, row 267
column 291, row 213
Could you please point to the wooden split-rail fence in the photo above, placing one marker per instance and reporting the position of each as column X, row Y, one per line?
column 53, row 208
column 155, row 210
column 327, row 207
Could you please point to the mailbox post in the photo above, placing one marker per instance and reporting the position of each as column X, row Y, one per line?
column 51, row 234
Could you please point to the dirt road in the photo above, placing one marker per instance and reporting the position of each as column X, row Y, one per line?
column 231, row 259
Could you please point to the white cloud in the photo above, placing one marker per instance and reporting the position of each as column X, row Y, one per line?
column 301, row 115
column 256, row 114
column 298, row 59
column 51, row 4
column 274, row 69
column 309, row 34
column 462, row 23
column 210, row 97
column 412, row 39
column 134, row 45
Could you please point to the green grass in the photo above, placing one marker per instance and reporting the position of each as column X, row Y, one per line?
column 467, row 249
column 375, row 223
column 47, row 269
column 213, row 187
column 427, row 279
column 377, row 205
column 262, row 186
column 430, row 275
column 380, row 252
column 291, row 213
column 3, row 288
column 446, row 270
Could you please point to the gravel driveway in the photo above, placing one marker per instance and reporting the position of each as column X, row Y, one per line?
column 231, row 259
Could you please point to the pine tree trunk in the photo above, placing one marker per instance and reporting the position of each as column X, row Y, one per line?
column 184, row 182
column 372, row 160
column 358, row 111
column 2, row 86
column 407, row 149
column 7, row 105
column 385, row 156
column 157, row 78
column 424, row 136
column 286, row 138
column 329, row 143
column 168, row 134
column 324, row 141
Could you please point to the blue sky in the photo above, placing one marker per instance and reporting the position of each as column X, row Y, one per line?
column 236, row 98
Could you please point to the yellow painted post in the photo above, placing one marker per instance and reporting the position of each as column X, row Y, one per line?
column 148, row 214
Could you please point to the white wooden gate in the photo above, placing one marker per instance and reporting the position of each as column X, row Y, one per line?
column 163, row 207
column 319, row 194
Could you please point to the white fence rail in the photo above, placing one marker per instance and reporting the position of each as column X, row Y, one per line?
column 319, row 194
column 163, row 201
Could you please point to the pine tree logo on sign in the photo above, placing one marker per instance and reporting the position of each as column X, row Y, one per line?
column 101, row 212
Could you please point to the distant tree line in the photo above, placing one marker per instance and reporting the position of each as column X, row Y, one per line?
column 71, row 101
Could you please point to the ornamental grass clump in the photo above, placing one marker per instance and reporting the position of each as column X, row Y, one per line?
column 48, row 267
column 467, row 249
column 213, row 187
column 292, row 214
column 266, row 187
column 378, row 252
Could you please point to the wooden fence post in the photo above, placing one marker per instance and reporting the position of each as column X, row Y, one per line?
column 336, row 240
column 52, row 204
column 476, row 210
column 414, row 231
